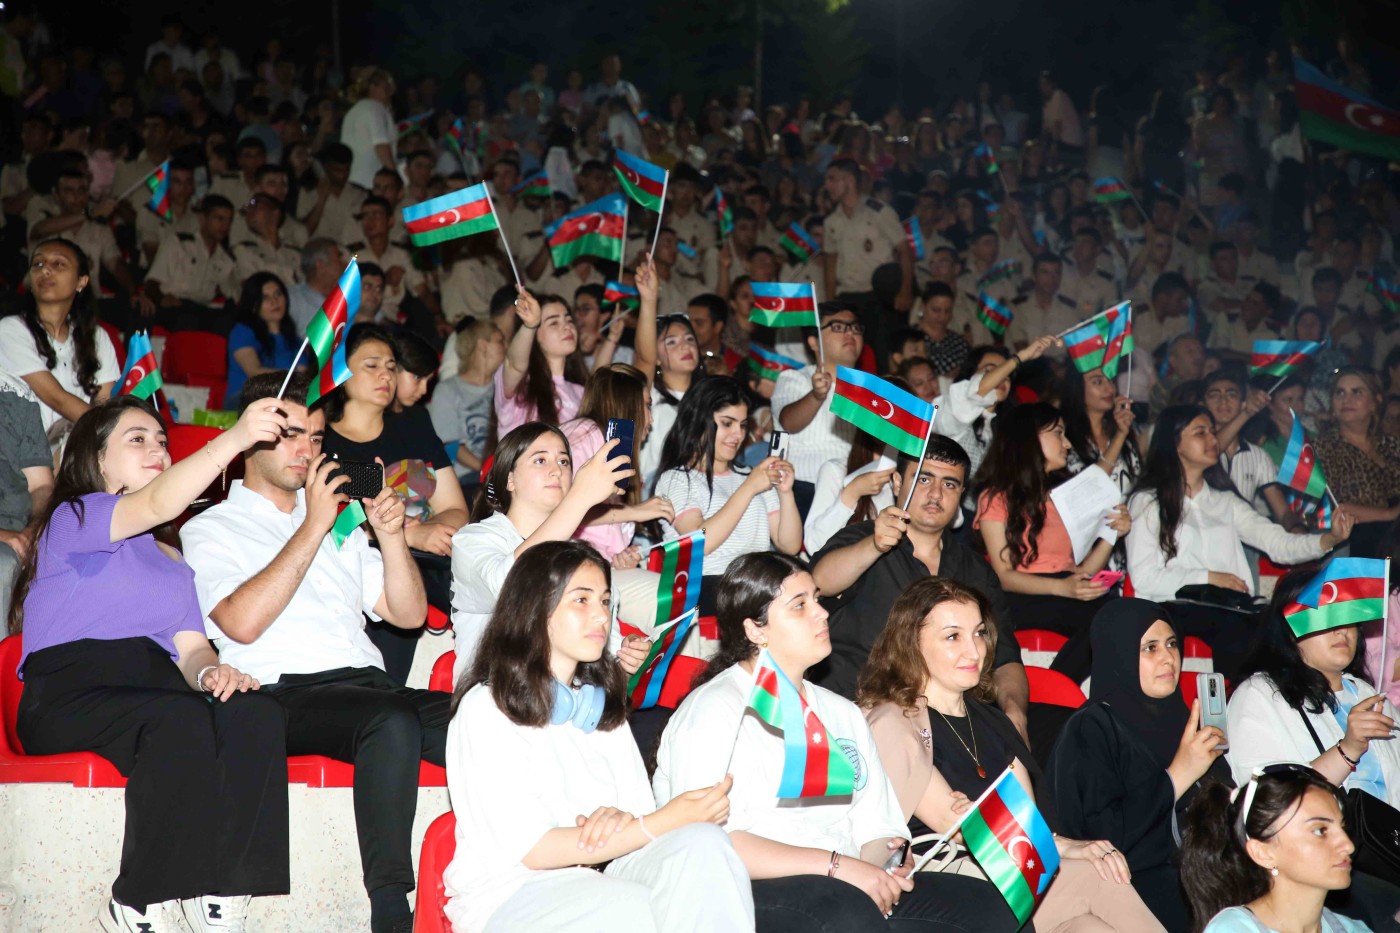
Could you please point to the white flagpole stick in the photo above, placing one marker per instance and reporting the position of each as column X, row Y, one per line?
column 504, row 241
column 665, row 183
column 909, row 496
column 953, row 830
column 1328, row 490
column 122, row 196
column 743, row 713
column 1070, row 330
column 293, row 368
column 1275, row 386
column 817, row 318
column 1383, row 676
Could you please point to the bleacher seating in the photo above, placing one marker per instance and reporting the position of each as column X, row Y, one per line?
column 439, row 843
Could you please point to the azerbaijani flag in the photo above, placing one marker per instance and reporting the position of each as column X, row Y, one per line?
column 644, row 183
column 1280, row 357
column 784, row 304
column 593, row 230
column 915, row 237
column 989, row 159
column 798, row 242
column 1387, row 292
column 681, row 564
column 325, row 333
column 352, row 515
column 1111, row 189
column 724, row 213
column 1103, row 340
column 533, row 185
column 615, row 293
column 811, row 767
column 685, row 249
column 770, row 365
column 409, row 124
column 989, row 203
column 1347, row 591
column 159, row 184
column 141, row 377
column 1332, row 113
column 1299, row 468
column 993, row 314
column 456, row 137
column 882, row 410
column 1000, row 270
column 1013, row 844
column 452, row 215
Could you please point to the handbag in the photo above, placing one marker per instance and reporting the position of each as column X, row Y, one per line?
column 1212, row 595
column 1373, row 824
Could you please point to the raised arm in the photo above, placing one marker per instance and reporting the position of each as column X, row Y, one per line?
column 838, row 570
column 644, row 344
column 517, row 362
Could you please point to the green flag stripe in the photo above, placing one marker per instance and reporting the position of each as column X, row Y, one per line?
column 346, row 522
column 1001, row 870
column 1335, row 615
column 765, row 705
column 874, row 425
column 1347, row 137
column 320, row 336
column 667, row 586
column 643, row 197
column 149, row 385
column 657, row 646
column 476, row 225
column 592, row 244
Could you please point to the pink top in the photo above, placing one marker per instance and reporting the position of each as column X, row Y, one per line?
column 512, row 412
column 585, row 440
column 1385, row 681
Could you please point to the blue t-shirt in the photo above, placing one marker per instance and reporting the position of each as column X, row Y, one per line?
column 1241, row 920
column 283, row 352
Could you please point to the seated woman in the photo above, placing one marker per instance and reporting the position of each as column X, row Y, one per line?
column 546, row 787
column 361, row 426
column 111, row 670
column 1130, row 759
column 1191, row 527
column 741, row 513
column 927, row 684
column 543, row 374
column 816, row 863
column 264, row 336
column 1026, row 540
column 1099, row 426
column 461, row 403
column 1361, row 464
column 418, row 364
column 532, row 495
column 1262, row 859
column 54, row 344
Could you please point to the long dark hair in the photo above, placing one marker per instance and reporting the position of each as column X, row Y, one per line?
column 1162, row 473
column 1216, row 869
column 537, row 388
column 618, row 391
column 1015, row 468
column 1261, row 427
column 513, row 657
column 691, row 443
column 82, row 321
column 358, row 335
column 975, row 356
column 1277, row 657
column 495, row 496
column 79, row 474
column 250, row 303
column 1079, row 427
column 747, row 589
column 678, row 320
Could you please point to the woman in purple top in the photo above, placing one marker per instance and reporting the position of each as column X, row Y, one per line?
column 116, row 662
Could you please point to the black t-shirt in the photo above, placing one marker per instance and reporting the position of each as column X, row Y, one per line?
column 859, row 614
column 412, row 453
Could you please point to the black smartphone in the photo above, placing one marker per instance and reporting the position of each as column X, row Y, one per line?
column 778, row 445
column 1141, row 413
column 366, row 479
column 624, row 430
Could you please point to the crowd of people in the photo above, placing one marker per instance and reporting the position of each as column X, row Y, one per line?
column 485, row 381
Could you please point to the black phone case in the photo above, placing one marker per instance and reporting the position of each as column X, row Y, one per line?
column 366, row 479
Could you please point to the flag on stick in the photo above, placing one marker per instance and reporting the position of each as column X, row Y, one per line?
column 1333, row 113
column 453, row 215
column 1102, row 341
column 352, row 515
column 533, row 185
column 811, row 767
column 1013, row 844
column 1111, row 189
column 615, row 293
column 915, row 237
column 784, row 304
column 989, row 159
column 409, row 124
column 1299, row 468
column 1000, row 271
column 993, row 314
column 1347, row 591
column 770, row 365
column 1281, row 357
column 681, row 564
column 141, row 377
column 325, row 335
column 644, row 183
column 159, row 184
column 882, row 410
column 596, row 229
column 724, row 213
column 1386, row 290
column 798, row 242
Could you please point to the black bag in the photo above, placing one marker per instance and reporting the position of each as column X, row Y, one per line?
column 1373, row 824
column 1212, row 595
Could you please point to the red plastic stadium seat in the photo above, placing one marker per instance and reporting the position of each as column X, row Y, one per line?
column 320, row 771
column 1193, row 647
column 438, row 620
column 439, row 844
column 81, row 769
column 194, row 353
column 187, row 439
column 1195, row 657
column 116, row 337
column 1053, row 688
column 441, row 677
column 1039, row 646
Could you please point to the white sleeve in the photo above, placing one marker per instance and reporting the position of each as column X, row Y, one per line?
column 107, row 368
column 1147, row 565
column 371, row 571
column 1263, row 729
column 792, row 384
column 1263, row 534
column 480, row 562
column 958, row 409
column 215, row 558
column 18, row 354
column 680, row 487
column 382, row 127
column 162, row 267
column 692, row 749
column 828, row 513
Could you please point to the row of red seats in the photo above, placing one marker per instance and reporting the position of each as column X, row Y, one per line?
column 1038, row 649
column 191, row 358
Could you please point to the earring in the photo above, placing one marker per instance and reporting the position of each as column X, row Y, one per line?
column 1274, row 872
column 763, row 644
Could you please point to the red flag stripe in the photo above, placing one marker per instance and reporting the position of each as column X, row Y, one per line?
column 1354, row 588
column 650, row 186
column 901, row 418
column 457, row 215
column 1006, row 828
column 803, row 303
column 818, row 753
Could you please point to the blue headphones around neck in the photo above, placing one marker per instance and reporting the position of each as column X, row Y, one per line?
column 583, row 709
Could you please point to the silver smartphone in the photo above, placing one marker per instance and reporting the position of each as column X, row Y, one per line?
column 778, row 445
column 1210, row 688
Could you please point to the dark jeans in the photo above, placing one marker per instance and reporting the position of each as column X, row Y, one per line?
column 206, row 792
column 942, row 903
column 359, row 715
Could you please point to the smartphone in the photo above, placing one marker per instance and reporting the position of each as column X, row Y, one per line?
column 1141, row 413
column 1210, row 689
column 624, row 430
column 1107, row 578
column 778, row 446
column 897, row 858
column 366, row 479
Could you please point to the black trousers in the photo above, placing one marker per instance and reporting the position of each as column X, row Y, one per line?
column 360, row 716
column 941, row 903
column 1066, row 616
column 206, row 793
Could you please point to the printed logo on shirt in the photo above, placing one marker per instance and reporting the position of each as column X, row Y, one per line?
column 857, row 761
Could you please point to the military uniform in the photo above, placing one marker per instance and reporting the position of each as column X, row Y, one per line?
column 565, row 284
column 1213, row 287
column 97, row 243
column 1356, row 292
column 1090, row 293
column 338, row 217
column 1231, row 334
column 1149, row 331
column 150, row 228
column 768, row 235
column 923, row 268
column 965, row 303
column 1257, row 267
column 516, row 227
column 292, row 232
column 185, row 268
column 675, row 293
column 232, row 186
column 392, row 256
column 255, row 254
column 469, row 287
column 868, row 238
column 133, row 173
column 1032, row 321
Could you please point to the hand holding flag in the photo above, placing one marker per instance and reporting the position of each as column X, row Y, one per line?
column 325, row 335
column 681, row 564
column 141, row 377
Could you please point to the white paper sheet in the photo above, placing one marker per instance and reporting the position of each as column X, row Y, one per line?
column 1085, row 503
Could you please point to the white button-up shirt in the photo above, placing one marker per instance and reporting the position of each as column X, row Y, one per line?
column 323, row 626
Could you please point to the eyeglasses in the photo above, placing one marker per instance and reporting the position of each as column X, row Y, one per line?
column 844, row 327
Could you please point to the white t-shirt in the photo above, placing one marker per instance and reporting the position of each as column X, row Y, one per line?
column 663, row 418
column 826, row 437
column 367, row 124
column 697, row 742
column 461, row 411
column 687, row 491
column 20, row 356
column 323, row 626
column 482, row 554
column 511, row 784
column 828, row 513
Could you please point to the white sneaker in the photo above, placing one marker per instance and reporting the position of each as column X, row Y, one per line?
column 210, row 914
column 119, row 918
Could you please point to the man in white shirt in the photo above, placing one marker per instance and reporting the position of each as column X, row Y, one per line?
column 287, row 602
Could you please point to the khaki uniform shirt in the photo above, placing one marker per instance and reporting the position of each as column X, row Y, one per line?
column 392, row 256
column 184, row 267
column 862, row 242
column 255, row 254
column 1090, row 293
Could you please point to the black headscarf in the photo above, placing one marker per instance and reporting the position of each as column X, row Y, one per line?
column 1116, row 637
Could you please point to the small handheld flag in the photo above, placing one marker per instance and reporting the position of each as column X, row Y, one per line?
column 625, row 296
column 1102, row 341
column 1299, row 468
column 159, row 184
column 325, row 335
column 1347, row 591
column 995, row 315
column 811, row 767
column 989, row 159
column 769, row 365
column 798, row 242
column 1000, row 271
column 915, row 238
column 1386, row 290
column 596, row 229
column 681, row 564
column 724, row 213
column 409, row 124
column 1013, row 844
column 351, row 516
column 533, row 185
column 882, row 410
column 784, row 304
column 452, row 215
column 1281, row 357
column 644, row 183
column 1111, row 189
column 141, row 377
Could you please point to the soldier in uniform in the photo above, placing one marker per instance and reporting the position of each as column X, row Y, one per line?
column 1355, row 282
column 928, row 214
column 984, row 248
column 730, row 261
column 1255, row 265
column 237, row 187
column 684, row 216
column 1161, row 255
column 194, row 274
column 152, row 229
column 155, row 134
column 1045, row 309
column 1237, row 335
column 1089, row 287
column 812, row 270
column 1221, row 291
column 758, row 200
column 271, row 180
column 518, row 222
column 263, row 249
column 862, row 234
column 400, row 277
column 388, row 186
column 330, row 210
column 675, row 290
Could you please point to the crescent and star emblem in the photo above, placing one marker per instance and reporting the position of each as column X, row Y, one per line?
column 1325, row 597
column 1011, row 850
column 770, row 304
column 451, row 217
column 1364, row 116
column 137, row 373
column 875, row 407
column 682, row 580
column 631, row 176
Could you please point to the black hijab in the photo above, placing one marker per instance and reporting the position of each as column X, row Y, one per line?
column 1116, row 637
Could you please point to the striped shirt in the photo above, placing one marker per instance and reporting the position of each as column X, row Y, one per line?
column 688, row 493
column 826, row 437
column 1251, row 469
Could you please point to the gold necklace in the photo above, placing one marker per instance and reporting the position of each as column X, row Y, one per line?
column 972, row 752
